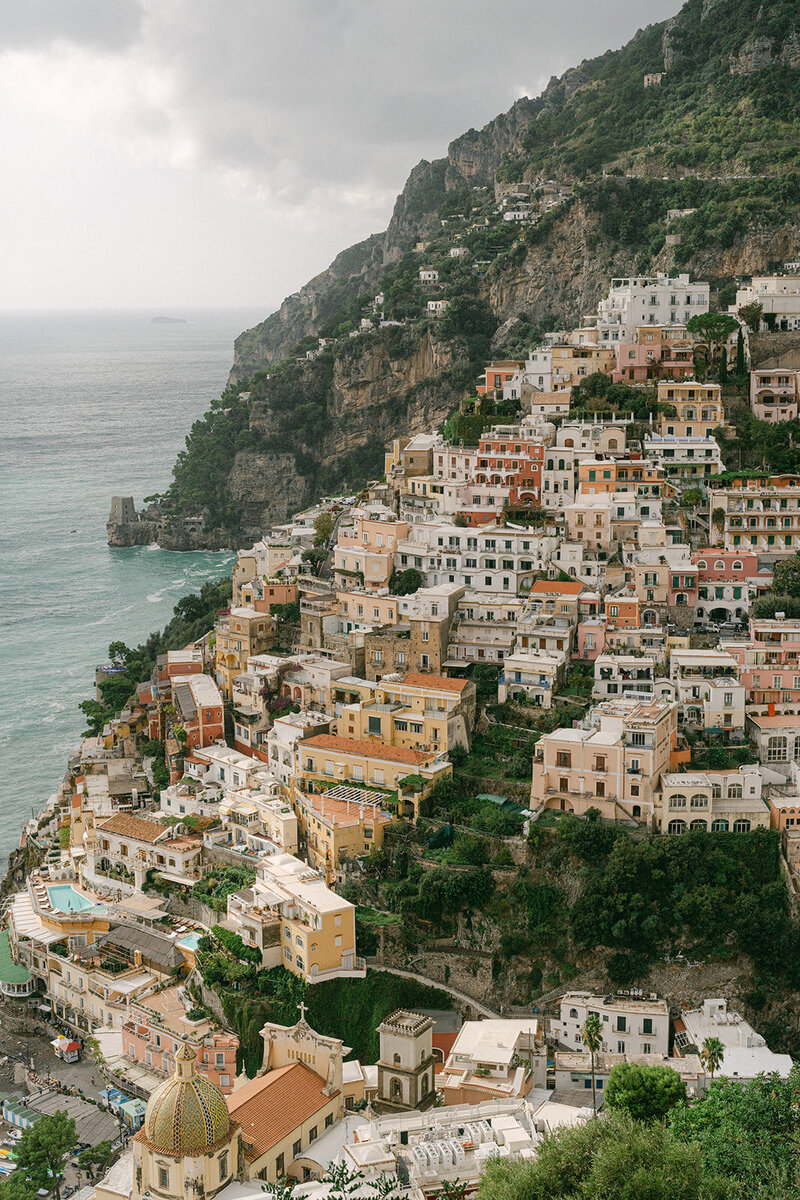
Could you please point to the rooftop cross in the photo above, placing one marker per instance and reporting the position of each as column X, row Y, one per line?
column 301, row 1006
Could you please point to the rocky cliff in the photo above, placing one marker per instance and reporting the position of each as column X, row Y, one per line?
column 289, row 453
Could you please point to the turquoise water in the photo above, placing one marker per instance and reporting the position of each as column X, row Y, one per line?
column 93, row 404
column 191, row 942
column 65, row 899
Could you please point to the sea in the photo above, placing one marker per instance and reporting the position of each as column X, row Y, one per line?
column 93, row 404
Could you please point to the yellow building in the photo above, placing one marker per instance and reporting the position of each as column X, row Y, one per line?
column 340, row 825
column 572, row 364
column 296, row 921
column 698, row 408
column 421, row 712
column 326, row 759
column 240, row 633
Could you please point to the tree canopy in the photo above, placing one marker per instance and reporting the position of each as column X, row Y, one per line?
column 645, row 1093
column 43, row 1148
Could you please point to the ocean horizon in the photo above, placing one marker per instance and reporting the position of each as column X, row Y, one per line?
column 97, row 403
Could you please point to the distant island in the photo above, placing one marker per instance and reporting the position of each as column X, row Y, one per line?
column 169, row 321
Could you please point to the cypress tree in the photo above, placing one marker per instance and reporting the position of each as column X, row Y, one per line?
column 741, row 367
column 723, row 366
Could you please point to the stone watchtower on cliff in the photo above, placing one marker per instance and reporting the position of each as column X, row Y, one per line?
column 123, row 510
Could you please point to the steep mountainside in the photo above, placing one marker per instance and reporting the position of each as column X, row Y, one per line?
column 678, row 152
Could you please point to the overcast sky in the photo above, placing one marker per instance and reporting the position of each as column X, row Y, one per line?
column 220, row 152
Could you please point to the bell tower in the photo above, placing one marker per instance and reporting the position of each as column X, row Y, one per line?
column 405, row 1066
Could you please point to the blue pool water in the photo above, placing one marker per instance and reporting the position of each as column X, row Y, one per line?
column 64, row 898
column 191, row 942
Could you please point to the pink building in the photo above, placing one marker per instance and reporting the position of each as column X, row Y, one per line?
column 612, row 763
column 365, row 550
column 775, row 394
column 159, row 1023
column 769, row 666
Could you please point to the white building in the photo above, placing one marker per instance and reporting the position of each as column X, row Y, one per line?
column 631, row 1025
column 746, row 1053
column 707, row 688
column 629, row 675
column 533, row 673
column 779, row 296
column 647, row 300
column 685, row 461
column 494, row 1059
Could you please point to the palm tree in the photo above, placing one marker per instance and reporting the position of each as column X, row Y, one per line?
column 712, row 1053
column 593, row 1040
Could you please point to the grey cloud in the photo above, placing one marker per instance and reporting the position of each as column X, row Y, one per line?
column 341, row 93
column 104, row 24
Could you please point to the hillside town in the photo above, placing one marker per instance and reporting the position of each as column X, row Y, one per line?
column 565, row 608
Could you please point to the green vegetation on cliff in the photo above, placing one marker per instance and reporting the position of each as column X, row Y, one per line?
column 729, row 95
column 195, row 615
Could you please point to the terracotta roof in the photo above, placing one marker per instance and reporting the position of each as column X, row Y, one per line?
column 554, row 585
column 786, row 722
column 436, row 681
column 399, row 754
column 133, row 827
column 272, row 1106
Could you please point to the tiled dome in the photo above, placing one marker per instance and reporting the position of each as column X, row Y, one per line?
column 187, row 1114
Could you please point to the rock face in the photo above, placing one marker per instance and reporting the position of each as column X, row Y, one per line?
column 381, row 389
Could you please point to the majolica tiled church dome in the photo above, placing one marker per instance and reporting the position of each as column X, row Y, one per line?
column 187, row 1114
column 188, row 1145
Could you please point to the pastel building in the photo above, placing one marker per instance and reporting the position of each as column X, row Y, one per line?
column 775, row 394
column 717, row 801
column 158, row 1024
column 612, row 763
column 293, row 917
column 760, row 514
column 630, row 1024
column 698, row 408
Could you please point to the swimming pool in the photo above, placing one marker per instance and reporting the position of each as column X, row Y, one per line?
column 65, row 899
column 190, row 942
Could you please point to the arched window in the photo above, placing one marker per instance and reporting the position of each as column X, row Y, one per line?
column 698, row 825
column 612, row 443
column 424, row 1085
column 637, row 810
column 776, row 749
column 573, row 1012
column 677, row 801
column 719, row 565
column 676, row 827
column 737, row 566
column 701, row 563
column 734, row 791
column 699, row 801
column 741, row 826
column 716, row 791
column 681, row 599
column 720, row 826
column 396, row 1090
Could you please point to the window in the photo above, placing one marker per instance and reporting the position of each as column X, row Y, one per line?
column 563, row 758
column 646, row 1049
column 312, row 1133
column 620, row 1047
column 647, row 1025
column 223, row 1164
column 280, row 1166
column 297, row 1148
column 329, row 1120
column 374, row 725
column 622, row 1024
column 163, row 1177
